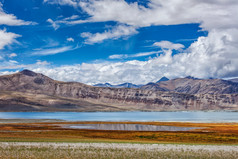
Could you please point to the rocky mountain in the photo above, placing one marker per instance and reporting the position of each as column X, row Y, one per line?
column 162, row 79
column 124, row 85
column 103, row 85
column 30, row 91
column 234, row 80
column 192, row 85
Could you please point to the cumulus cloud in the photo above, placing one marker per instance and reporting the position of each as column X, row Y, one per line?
column 115, row 33
column 7, row 38
column 212, row 56
column 204, row 58
column 168, row 45
column 131, row 71
column 12, row 64
column 158, row 12
column 8, row 72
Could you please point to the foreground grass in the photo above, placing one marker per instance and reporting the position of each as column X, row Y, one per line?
column 113, row 151
column 115, row 144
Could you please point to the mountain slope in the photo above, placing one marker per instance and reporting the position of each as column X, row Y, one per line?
column 234, row 80
column 191, row 85
column 37, row 92
column 162, row 79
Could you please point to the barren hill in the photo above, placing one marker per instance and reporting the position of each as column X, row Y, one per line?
column 30, row 91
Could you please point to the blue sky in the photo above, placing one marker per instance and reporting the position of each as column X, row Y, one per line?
column 119, row 41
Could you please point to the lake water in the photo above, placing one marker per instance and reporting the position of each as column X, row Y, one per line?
column 128, row 127
column 198, row 116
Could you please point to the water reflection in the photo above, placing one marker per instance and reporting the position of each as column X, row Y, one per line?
column 129, row 127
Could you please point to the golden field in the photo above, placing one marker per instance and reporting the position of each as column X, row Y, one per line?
column 206, row 133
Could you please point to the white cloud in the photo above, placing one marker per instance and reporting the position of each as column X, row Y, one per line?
column 12, row 55
column 52, row 51
column 72, row 20
column 11, row 20
column 207, row 57
column 71, row 17
column 157, row 12
column 62, row 2
column 212, row 56
column 204, row 58
column 160, row 12
column 53, row 24
column 8, row 72
column 70, row 39
column 168, row 45
column 11, row 64
column 115, row 33
column 131, row 71
column 125, row 56
column 43, row 63
column 118, row 56
column 7, row 38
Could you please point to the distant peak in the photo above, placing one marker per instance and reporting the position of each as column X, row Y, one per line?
column 151, row 83
column 162, row 79
column 28, row 72
column 190, row 77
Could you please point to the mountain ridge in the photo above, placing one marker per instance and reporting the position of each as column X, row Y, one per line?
column 123, row 85
column 30, row 91
column 192, row 85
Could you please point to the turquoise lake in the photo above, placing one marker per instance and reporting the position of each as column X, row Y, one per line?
column 198, row 116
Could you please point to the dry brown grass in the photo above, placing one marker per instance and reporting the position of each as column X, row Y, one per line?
column 209, row 133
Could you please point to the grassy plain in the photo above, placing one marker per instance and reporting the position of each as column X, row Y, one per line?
column 37, row 139
column 207, row 133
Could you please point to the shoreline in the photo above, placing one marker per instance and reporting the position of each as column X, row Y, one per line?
column 122, row 111
column 128, row 116
column 21, row 120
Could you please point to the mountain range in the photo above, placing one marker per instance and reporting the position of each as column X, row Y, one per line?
column 126, row 85
column 189, row 85
column 123, row 85
column 30, row 91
